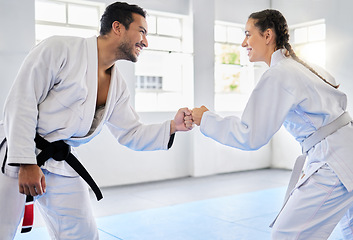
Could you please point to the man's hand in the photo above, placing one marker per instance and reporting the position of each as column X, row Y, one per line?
column 197, row 114
column 182, row 121
column 31, row 180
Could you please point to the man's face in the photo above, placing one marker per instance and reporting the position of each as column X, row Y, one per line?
column 134, row 39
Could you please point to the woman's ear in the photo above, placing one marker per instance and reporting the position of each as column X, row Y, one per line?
column 270, row 36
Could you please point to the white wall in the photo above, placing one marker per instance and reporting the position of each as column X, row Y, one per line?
column 16, row 39
column 238, row 11
column 192, row 154
column 113, row 164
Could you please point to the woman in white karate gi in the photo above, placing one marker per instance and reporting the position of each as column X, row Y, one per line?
column 67, row 89
column 305, row 102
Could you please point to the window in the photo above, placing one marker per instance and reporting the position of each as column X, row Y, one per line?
column 234, row 74
column 56, row 17
column 309, row 42
column 164, row 71
column 149, row 82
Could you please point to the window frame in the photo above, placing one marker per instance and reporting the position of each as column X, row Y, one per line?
column 100, row 10
column 301, row 44
column 234, row 100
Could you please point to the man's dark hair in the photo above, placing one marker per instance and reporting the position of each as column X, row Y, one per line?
column 121, row 12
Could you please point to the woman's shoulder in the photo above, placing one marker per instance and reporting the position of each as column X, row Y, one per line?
column 283, row 69
column 283, row 75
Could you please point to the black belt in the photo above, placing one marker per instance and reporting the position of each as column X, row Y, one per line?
column 4, row 161
column 60, row 151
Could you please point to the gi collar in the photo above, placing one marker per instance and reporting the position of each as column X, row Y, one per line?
column 277, row 56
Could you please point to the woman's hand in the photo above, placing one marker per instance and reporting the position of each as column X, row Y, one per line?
column 197, row 114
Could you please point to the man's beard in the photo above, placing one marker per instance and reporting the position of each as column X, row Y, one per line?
column 126, row 52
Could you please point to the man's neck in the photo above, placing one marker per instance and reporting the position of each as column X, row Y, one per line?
column 106, row 57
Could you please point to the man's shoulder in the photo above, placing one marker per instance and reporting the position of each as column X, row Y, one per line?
column 61, row 45
column 63, row 40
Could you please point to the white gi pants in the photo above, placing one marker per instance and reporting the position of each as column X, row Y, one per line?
column 315, row 208
column 65, row 207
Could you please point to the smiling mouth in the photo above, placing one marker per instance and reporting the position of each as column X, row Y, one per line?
column 138, row 48
column 249, row 50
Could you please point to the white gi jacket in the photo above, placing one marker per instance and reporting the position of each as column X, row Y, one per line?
column 55, row 93
column 290, row 94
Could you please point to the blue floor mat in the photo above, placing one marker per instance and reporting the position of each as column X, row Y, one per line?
column 238, row 217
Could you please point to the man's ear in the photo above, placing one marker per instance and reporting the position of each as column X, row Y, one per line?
column 270, row 36
column 117, row 27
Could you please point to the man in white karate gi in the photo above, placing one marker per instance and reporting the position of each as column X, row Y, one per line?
column 66, row 90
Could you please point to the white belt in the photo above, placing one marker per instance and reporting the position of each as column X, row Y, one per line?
column 307, row 144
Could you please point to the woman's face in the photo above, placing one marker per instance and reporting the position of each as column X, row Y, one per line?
column 254, row 42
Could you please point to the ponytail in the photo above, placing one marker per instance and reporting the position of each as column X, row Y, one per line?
column 295, row 57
